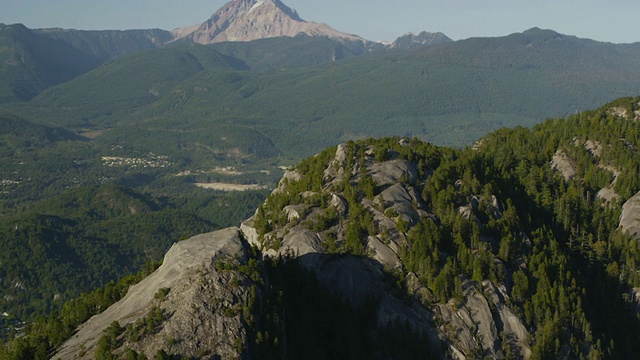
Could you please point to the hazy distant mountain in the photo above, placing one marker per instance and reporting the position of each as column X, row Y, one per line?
column 246, row 20
column 450, row 94
column 31, row 62
column 424, row 38
column 108, row 44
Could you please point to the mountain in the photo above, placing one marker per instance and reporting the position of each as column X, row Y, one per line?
column 105, row 45
column 451, row 94
column 31, row 62
column 246, row 20
column 397, row 249
column 281, row 53
column 423, row 38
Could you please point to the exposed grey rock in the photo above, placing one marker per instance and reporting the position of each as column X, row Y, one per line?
column 250, row 233
column 593, row 147
column 335, row 172
column 630, row 217
column 608, row 195
column 387, row 227
column 383, row 253
column 508, row 322
column 620, row 112
column 418, row 290
column 250, row 20
column 294, row 212
column 339, row 203
column 300, row 241
column 496, row 209
column 562, row 163
column 471, row 326
column 422, row 39
column 354, row 279
column 466, row 212
column 634, row 299
column 289, row 176
column 400, row 200
column 393, row 172
column 181, row 271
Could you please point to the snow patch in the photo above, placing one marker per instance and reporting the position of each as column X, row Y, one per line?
column 256, row 5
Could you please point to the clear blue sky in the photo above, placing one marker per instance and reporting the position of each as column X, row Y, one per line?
column 603, row 20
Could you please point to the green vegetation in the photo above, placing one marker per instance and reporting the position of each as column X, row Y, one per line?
column 448, row 94
column 44, row 334
column 57, row 248
column 31, row 62
column 89, row 190
column 305, row 320
column 556, row 246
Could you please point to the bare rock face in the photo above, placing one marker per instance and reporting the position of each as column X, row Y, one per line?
column 289, row 176
column 562, row 163
column 630, row 217
column 300, row 241
column 383, row 253
column 608, row 195
column 250, row 232
column 423, row 39
column 193, row 310
column 335, row 172
column 401, row 200
column 472, row 329
column 393, row 172
column 294, row 212
column 593, row 147
column 247, row 20
column 515, row 334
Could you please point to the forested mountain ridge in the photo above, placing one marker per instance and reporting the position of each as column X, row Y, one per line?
column 451, row 93
column 31, row 62
column 507, row 249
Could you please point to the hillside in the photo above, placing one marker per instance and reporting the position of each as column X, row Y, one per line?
column 105, row 45
column 450, row 94
column 520, row 247
column 75, row 216
column 31, row 62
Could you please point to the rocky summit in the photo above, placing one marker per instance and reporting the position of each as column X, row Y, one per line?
column 247, row 20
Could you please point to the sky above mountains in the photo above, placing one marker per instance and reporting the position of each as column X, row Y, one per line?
column 378, row 20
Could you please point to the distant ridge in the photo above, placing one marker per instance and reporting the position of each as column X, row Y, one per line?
column 423, row 38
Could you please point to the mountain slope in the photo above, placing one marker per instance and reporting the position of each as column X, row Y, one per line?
column 105, row 45
column 450, row 94
column 246, row 20
column 422, row 39
column 489, row 251
column 31, row 62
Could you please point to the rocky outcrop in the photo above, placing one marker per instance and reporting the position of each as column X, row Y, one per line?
column 193, row 309
column 593, row 147
column 514, row 334
column 482, row 325
column 383, row 253
column 630, row 217
column 400, row 200
column 565, row 165
column 300, row 241
column 393, row 172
